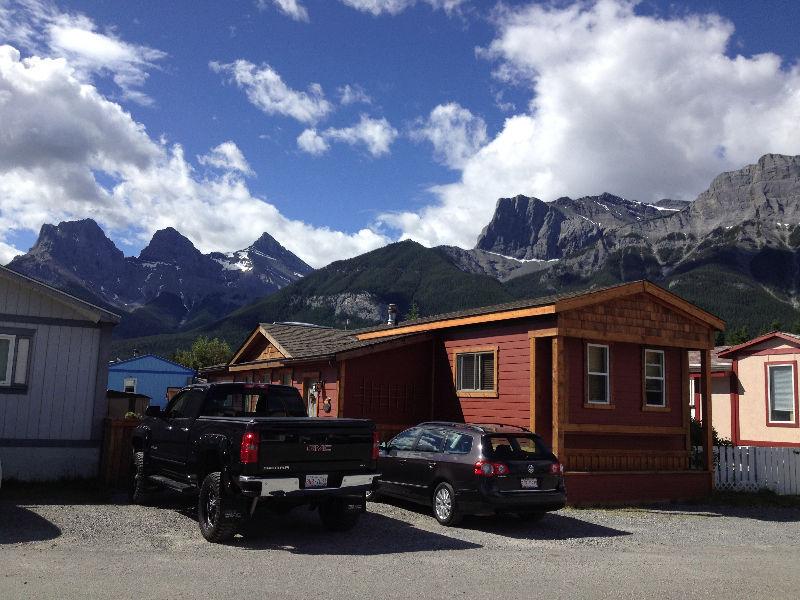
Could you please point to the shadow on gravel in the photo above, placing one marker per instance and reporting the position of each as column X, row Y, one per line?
column 553, row 526
column 300, row 531
column 757, row 512
column 19, row 524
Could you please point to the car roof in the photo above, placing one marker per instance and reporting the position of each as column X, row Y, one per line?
column 477, row 427
column 213, row 384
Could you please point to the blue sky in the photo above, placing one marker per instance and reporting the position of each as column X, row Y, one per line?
column 455, row 103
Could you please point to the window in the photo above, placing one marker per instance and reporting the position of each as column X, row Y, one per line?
column 245, row 401
column 175, row 409
column 475, row 372
column 129, row 385
column 404, row 440
column 597, row 374
column 513, row 447
column 654, row 378
column 14, row 352
column 781, row 393
column 430, row 441
column 458, row 443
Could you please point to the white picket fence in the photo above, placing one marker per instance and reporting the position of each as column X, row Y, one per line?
column 751, row 468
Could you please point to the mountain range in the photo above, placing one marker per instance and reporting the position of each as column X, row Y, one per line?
column 171, row 286
column 734, row 250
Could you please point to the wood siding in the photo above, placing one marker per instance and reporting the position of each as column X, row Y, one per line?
column 393, row 388
column 511, row 405
column 68, row 369
column 636, row 318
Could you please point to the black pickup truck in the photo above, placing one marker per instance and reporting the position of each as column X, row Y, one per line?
column 240, row 445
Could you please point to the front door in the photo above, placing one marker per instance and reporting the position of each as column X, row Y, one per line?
column 309, row 395
column 170, row 446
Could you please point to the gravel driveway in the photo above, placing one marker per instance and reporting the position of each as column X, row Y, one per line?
column 81, row 545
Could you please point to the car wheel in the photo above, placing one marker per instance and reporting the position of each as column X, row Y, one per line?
column 216, row 516
column 444, row 505
column 139, row 491
column 336, row 516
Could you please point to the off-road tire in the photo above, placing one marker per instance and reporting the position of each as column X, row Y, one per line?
column 139, row 490
column 213, row 508
column 445, row 507
column 335, row 516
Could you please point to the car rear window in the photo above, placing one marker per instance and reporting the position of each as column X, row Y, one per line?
column 511, row 446
column 245, row 401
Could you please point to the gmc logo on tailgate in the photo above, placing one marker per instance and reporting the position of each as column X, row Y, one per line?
column 319, row 448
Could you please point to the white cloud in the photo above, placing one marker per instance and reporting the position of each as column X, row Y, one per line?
column 642, row 106
column 40, row 28
column 266, row 89
column 394, row 7
column 376, row 134
column 67, row 152
column 353, row 94
column 456, row 134
column 226, row 156
column 291, row 8
column 312, row 142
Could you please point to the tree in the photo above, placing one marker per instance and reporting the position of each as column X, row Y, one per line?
column 738, row 336
column 413, row 312
column 204, row 353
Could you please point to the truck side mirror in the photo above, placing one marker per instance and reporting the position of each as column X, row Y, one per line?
column 153, row 411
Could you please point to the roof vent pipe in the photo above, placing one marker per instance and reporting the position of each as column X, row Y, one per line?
column 392, row 315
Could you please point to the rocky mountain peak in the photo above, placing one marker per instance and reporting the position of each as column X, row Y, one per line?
column 69, row 238
column 168, row 245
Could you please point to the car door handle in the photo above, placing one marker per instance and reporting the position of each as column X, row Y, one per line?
column 184, row 429
column 431, row 465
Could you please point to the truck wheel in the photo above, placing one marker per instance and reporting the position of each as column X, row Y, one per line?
column 336, row 516
column 139, row 491
column 444, row 505
column 217, row 516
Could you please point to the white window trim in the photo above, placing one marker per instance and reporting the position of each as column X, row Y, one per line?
column 663, row 378
column 8, row 376
column 769, row 395
column 607, row 374
column 692, row 405
column 126, row 379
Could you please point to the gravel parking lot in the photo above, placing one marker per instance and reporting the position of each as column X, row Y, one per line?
column 78, row 544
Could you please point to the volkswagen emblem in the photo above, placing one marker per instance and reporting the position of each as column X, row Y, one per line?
column 531, row 469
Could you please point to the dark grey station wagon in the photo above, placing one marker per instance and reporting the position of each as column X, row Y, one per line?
column 460, row 469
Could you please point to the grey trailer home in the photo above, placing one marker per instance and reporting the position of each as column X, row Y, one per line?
column 54, row 351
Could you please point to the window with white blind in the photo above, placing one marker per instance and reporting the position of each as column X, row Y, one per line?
column 781, row 393
column 129, row 385
column 654, row 395
column 14, row 355
column 598, row 389
column 475, row 372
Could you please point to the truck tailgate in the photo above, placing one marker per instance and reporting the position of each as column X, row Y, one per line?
column 308, row 445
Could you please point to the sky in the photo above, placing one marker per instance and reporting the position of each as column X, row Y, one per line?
column 339, row 126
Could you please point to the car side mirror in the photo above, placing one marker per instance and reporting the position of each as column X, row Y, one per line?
column 153, row 411
column 383, row 446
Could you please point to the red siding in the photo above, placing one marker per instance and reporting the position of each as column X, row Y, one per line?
column 626, row 387
column 626, row 488
column 512, row 404
column 393, row 388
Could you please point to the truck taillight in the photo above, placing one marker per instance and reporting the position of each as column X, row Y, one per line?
column 248, row 452
column 556, row 468
column 484, row 468
column 376, row 443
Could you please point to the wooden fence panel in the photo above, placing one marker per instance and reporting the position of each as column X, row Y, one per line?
column 117, row 454
column 751, row 468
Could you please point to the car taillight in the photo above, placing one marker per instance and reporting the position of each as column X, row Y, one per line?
column 248, row 452
column 556, row 468
column 485, row 468
column 376, row 443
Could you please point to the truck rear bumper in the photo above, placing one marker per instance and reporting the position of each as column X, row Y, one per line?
column 290, row 486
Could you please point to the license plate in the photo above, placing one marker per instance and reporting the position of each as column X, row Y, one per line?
column 316, row 481
column 531, row 483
